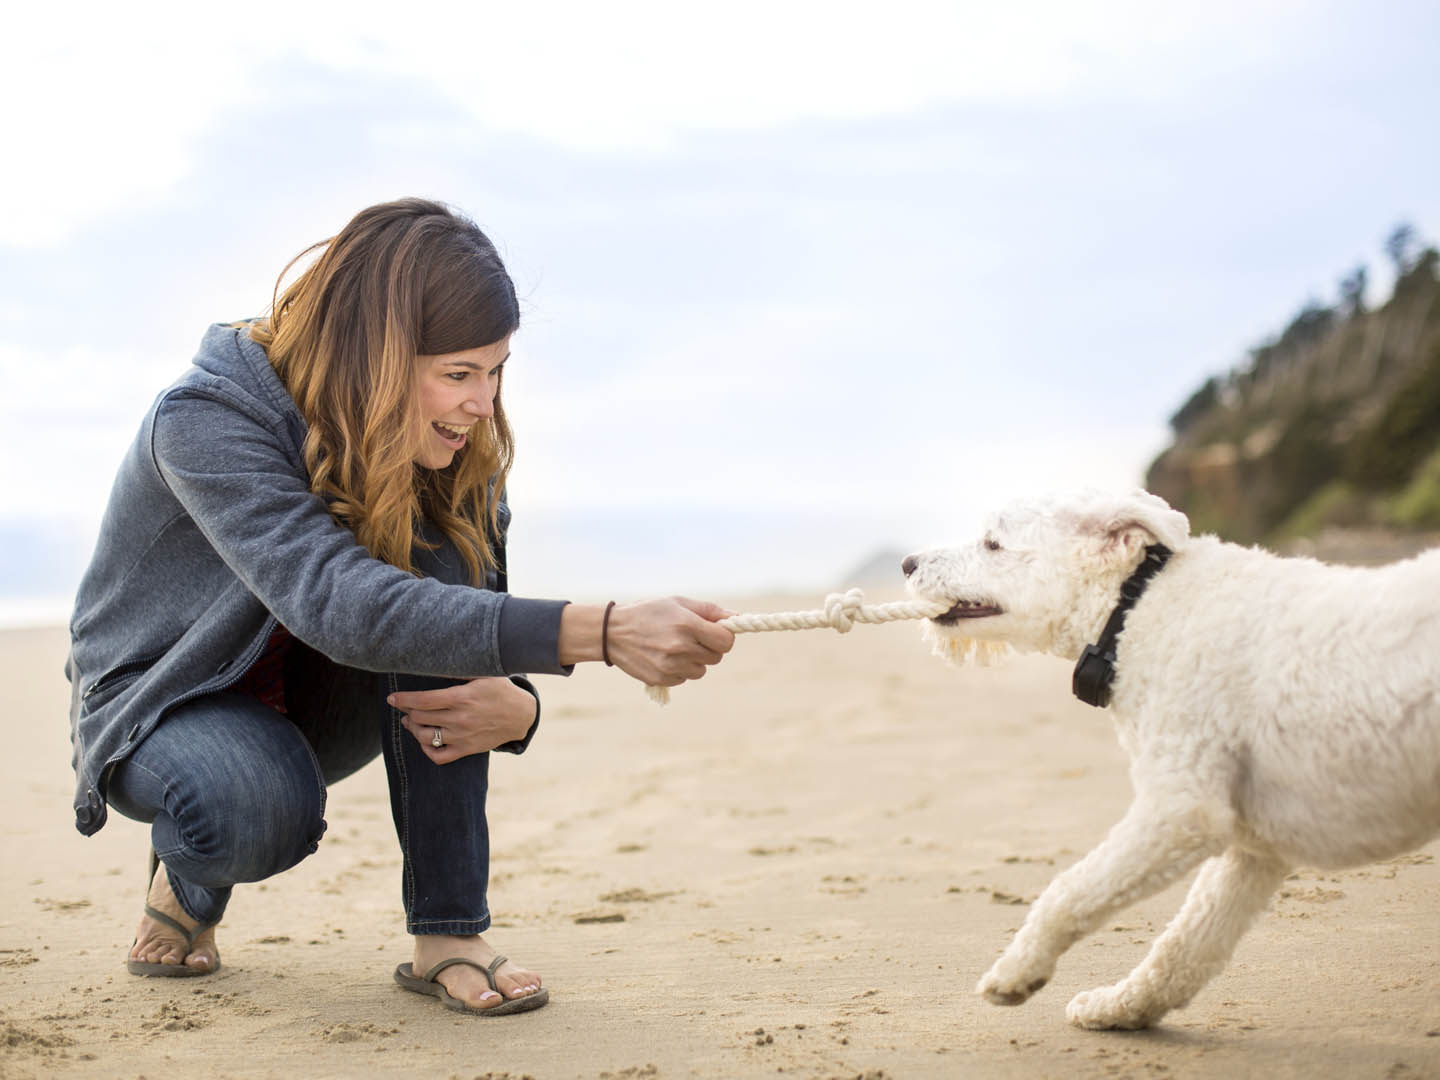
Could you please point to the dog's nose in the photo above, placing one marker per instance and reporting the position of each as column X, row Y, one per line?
column 908, row 565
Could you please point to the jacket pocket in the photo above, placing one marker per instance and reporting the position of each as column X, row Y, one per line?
column 121, row 675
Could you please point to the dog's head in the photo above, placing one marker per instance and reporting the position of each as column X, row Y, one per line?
column 1044, row 574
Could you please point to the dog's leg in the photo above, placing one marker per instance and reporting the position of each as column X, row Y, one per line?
column 1227, row 895
column 1160, row 838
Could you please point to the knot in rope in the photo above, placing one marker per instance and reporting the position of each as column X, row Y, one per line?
column 841, row 609
column 841, row 612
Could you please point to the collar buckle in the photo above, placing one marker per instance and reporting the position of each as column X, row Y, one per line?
column 1094, row 672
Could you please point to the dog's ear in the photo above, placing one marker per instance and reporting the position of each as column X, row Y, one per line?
column 1126, row 525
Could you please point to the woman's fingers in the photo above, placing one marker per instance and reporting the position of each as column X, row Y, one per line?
column 472, row 717
column 667, row 642
column 443, row 697
column 424, row 734
column 676, row 670
column 706, row 610
column 707, row 632
column 709, row 655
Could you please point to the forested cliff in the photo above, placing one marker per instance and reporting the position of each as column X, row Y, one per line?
column 1334, row 423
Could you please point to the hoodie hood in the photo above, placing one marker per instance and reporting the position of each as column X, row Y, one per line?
column 229, row 362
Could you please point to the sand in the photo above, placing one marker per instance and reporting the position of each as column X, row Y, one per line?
column 800, row 867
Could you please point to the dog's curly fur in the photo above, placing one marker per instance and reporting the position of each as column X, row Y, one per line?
column 1276, row 712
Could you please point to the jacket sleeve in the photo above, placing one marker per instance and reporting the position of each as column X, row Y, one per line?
column 520, row 745
column 232, row 476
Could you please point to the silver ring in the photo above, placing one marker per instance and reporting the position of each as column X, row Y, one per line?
column 437, row 740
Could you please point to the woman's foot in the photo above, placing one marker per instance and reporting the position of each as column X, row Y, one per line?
column 156, row 943
column 465, row 982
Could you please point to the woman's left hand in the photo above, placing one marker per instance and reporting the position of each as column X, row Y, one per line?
column 472, row 717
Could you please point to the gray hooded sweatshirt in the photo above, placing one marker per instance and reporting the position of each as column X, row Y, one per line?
column 212, row 535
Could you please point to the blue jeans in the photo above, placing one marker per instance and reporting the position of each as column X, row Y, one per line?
column 235, row 791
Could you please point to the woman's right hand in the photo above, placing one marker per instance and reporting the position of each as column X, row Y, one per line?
column 660, row 642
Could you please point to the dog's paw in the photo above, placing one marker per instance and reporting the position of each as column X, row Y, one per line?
column 1011, row 982
column 1108, row 1008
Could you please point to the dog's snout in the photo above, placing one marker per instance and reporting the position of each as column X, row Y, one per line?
column 908, row 565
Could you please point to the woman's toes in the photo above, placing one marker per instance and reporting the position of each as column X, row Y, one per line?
column 159, row 956
column 484, row 998
column 204, row 955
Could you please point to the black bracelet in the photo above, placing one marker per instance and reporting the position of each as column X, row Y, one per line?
column 604, row 635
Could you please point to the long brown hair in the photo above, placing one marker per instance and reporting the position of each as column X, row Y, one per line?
column 403, row 279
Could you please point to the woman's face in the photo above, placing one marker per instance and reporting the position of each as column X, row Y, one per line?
column 456, row 390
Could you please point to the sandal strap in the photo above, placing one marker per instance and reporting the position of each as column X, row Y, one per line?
column 189, row 935
column 488, row 972
column 160, row 916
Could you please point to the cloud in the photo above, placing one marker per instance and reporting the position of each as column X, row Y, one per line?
column 845, row 274
column 72, row 412
column 114, row 102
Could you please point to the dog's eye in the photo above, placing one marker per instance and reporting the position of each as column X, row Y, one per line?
column 991, row 544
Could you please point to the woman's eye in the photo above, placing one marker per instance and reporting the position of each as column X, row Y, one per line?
column 457, row 376
column 992, row 545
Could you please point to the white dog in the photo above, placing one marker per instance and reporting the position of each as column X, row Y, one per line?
column 1277, row 712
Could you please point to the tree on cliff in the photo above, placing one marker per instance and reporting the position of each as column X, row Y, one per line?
column 1398, row 245
column 1335, row 420
column 1352, row 291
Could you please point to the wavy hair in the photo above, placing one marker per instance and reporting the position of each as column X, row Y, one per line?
column 403, row 279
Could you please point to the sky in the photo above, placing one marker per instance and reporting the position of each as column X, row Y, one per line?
column 801, row 281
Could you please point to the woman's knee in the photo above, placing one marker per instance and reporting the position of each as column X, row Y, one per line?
column 250, row 829
column 243, row 798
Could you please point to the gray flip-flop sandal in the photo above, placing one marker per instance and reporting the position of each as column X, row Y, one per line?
column 169, row 971
column 426, row 984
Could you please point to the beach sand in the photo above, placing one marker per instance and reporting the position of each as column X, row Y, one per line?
column 800, row 867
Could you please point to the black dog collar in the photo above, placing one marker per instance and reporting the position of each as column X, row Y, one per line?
column 1095, row 670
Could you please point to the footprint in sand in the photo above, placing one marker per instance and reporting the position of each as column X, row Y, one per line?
column 65, row 906
column 636, row 896
column 347, row 1033
column 171, row 1017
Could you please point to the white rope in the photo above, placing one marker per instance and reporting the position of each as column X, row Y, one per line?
column 840, row 613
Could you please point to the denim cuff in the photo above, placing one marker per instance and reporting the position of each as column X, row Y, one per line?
column 530, row 636
column 450, row 927
column 518, row 746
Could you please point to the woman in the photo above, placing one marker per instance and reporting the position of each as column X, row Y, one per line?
column 302, row 565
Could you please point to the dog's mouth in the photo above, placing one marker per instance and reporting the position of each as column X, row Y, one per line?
column 967, row 609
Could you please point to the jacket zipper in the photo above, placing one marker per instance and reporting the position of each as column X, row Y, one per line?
column 241, row 668
column 120, row 671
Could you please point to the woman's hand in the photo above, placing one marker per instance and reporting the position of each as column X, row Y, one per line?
column 659, row 642
column 473, row 716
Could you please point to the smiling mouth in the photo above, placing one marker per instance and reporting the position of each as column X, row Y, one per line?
column 967, row 609
column 452, row 434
